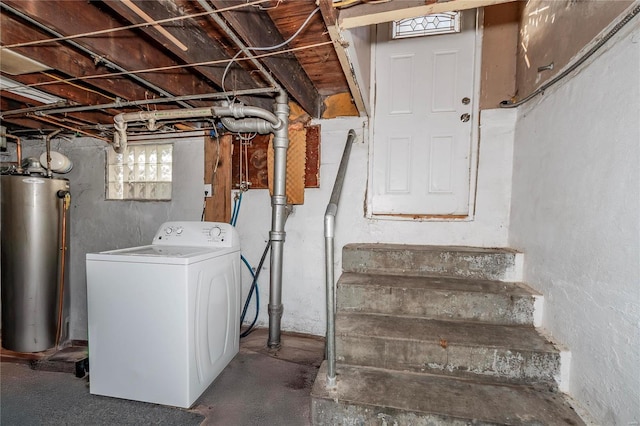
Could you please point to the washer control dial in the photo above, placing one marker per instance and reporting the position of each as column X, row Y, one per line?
column 168, row 230
column 215, row 232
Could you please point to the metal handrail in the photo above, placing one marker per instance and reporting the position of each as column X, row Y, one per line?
column 329, row 233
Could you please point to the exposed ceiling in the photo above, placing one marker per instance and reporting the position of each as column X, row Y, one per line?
column 75, row 64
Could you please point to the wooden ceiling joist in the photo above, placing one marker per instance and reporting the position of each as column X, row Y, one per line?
column 191, row 45
column 258, row 30
column 377, row 13
column 125, row 48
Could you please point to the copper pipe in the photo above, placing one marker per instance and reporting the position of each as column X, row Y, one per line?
column 55, row 122
column 18, row 150
column 48, row 146
column 63, row 256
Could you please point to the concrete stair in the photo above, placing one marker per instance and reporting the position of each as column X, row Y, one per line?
column 439, row 335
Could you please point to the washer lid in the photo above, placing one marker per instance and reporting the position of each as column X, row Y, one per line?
column 161, row 254
column 164, row 251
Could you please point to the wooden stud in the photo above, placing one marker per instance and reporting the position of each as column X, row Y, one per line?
column 218, row 206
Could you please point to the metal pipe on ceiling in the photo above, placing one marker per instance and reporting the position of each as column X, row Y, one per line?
column 94, row 55
column 255, row 119
column 52, row 120
column 123, row 104
column 45, row 107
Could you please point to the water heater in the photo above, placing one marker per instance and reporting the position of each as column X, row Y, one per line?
column 34, row 231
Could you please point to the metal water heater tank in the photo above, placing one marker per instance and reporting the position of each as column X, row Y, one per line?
column 31, row 224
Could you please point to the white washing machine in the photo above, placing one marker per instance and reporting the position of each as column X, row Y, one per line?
column 164, row 319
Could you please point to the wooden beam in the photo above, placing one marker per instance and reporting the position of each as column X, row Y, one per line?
column 189, row 46
column 65, row 59
column 330, row 16
column 321, row 63
column 125, row 48
column 9, row 101
column 218, row 206
column 370, row 14
column 257, row 29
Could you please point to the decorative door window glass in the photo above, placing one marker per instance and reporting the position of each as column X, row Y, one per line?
column 438, row 23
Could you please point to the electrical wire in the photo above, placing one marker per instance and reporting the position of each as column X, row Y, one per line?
column 173, row 67
column 59, row 124
column 129, row 27
column 262, row 49
column 86, row 89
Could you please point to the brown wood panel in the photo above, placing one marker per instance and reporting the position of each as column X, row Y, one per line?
column 320, row 63
column 257, row 152
column 218, row 206
column 296, row 161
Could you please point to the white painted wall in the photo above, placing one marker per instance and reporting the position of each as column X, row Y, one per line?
column 303, row 275
column 98, row 225
column 575, row 204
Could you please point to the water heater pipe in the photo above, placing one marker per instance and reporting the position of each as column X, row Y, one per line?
column 65, row 196
column 48, row 145
column 18, row 149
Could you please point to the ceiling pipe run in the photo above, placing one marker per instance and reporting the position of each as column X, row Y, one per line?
column 59, row 109
column 241, row 118
column 261, row 121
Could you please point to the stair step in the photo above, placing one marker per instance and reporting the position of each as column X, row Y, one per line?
column 367, row 396
column 495, row 302
column 502, row 352
column 420, row 260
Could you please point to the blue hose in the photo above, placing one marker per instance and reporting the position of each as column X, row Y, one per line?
column 254, row 284
column 236, row 209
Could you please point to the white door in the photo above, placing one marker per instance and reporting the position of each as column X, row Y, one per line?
column 422, row 126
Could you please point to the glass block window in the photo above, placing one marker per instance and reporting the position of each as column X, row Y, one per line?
column 142, row 172
column 438, row 23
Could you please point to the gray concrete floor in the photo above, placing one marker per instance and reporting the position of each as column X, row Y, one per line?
column 259, row 387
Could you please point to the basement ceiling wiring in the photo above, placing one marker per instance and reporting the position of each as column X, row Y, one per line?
column 263, row 49
column 86, row 89
column 174, row 67
column 129, row 27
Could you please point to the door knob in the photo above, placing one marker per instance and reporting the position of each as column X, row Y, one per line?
column 465, row 117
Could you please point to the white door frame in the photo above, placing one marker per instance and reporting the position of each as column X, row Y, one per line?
column 475, row 134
